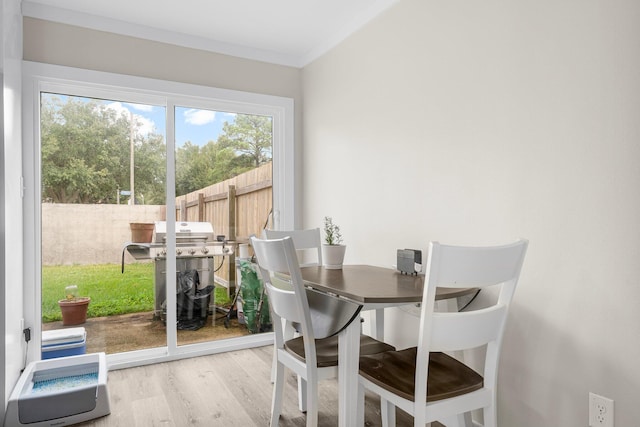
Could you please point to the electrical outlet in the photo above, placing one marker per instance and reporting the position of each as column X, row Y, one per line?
column 600, row 411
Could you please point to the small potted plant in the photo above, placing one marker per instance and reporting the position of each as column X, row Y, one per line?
column 332, row 249
column 73, row 307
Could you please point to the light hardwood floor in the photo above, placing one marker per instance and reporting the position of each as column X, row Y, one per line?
column 228, row 389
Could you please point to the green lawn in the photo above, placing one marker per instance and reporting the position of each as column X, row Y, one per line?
column 111, row 292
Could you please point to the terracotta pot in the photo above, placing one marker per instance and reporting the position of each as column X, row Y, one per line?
column 74, row 312
column 141, row 232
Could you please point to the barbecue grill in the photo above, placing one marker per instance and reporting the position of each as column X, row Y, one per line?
column 195, row 248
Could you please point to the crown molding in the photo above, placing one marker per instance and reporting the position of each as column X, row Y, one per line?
column 100, row 23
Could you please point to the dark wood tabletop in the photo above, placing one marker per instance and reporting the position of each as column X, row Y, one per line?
column 367, row 284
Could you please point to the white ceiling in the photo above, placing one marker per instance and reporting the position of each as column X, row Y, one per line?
column 287, row 32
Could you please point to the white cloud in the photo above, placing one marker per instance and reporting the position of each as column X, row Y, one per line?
column 199, row 117
column 118, row 107
column 145, row 125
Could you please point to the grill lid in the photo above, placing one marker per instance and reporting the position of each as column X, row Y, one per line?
column 190, row 231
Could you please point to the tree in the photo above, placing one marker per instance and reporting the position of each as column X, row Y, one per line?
column 198, row 167
column 243, row 145
column 150, row 169
column 190, row 170
column 85, row 153
column 250, row 135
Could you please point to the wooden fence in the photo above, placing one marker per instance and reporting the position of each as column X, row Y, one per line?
column 237, row 207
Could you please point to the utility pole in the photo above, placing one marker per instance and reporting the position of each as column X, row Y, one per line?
column 132, row 199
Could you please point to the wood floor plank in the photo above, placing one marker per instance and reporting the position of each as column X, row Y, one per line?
column 228, row 389
column 247, row 380
column 211, row 396
column 153, row 412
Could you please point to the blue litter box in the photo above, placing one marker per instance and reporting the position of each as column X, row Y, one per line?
column 60, row 391
column 63, row 342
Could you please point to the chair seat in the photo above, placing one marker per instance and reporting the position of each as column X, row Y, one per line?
column 327, row 349
column 395, row 372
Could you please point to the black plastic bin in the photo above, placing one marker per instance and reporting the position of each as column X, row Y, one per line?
column 192, row 301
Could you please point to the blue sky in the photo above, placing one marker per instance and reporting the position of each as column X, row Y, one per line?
column 199, row 126
column 195, row 125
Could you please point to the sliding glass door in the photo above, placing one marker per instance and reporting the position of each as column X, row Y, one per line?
column 141, row 200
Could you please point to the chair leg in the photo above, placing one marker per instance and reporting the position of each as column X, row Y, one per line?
column 274, row 362
column 278, row 390
column 490, row 416
column 287, row 334
column 312, row 401
column 302, row 394
column 388, row 413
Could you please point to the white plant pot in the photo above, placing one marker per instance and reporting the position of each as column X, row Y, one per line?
column 333, row 256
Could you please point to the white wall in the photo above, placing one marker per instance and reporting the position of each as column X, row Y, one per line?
column 479, row 122
column 3, row 279
column 76, row 234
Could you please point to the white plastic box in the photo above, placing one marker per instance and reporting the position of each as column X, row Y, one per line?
column 64, row 342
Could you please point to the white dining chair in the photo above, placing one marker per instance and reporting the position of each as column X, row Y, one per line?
column 308, row 244
column 312, row 355
column 425, row 381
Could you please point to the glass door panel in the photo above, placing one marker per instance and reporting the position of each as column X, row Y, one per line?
column 224, row 179
column 103, row 182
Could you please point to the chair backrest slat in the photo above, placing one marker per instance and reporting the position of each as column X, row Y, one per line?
column 283, row 303
column 461, row 331
column 305, row 242
column 467, row 267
